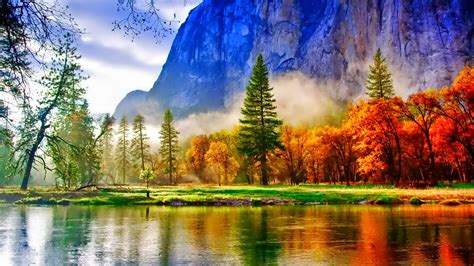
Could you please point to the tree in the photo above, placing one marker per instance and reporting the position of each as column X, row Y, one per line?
column 143, row 16
column 140, row 148
column 75, row 158
column 6, row 142
column 313, row 159
column 196, row 156
column 123, row 149
column 147, row 175
column 259, row 134
column 294, row 154
column 420, row 110
column 457, row 107
column 106, row 147
column 169, row 144
column 379, row 81
column 340, row 151
column 379, row 127
column 219, row 158
column 27, row 30
column 62, row 85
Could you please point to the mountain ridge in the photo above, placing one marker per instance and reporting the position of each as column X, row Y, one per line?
column 426, row 43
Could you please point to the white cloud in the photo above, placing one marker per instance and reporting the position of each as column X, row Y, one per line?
column 116, row 64
column 109, row 84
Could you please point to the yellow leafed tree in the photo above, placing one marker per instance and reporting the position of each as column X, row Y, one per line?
column 221, row 162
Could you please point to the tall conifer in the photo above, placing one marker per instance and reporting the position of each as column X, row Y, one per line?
column 140, row 148
column 123, row 149
column 259, row 134
column 169, row 144
column 379, row 81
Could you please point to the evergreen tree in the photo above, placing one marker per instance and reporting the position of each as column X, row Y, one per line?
column 122, row 150
column 106, row 148
column 140, row 148
column 259, row 134
column 6, row 141
column 71, row 146
column 379, row 81
column 169, row 144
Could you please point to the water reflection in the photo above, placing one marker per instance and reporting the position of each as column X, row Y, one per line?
column 231, row 235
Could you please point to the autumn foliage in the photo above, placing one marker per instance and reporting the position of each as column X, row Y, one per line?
column 425, row 139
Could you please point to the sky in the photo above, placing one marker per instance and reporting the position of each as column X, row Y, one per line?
column 114, row 63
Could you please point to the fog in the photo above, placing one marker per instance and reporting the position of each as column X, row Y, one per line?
column 300, row 101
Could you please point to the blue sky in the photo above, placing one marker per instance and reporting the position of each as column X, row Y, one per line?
column 115, row 64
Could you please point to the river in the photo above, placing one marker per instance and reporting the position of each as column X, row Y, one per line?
column 336, row 235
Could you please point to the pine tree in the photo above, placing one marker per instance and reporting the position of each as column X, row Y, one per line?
column 122, row 150
column 259, row 134
column 379, row 81
column 71, row 148
column 169, row 144
column 140, row 148
column 106, row 148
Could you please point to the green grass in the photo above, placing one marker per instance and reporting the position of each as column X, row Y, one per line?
column 243, row 195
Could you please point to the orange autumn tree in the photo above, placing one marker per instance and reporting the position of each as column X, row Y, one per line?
column 220, row 160
column 195, row 156
column 451, row 156
column 340, row 153
column 379, row 147
column 314, row 156
column 420, row 108
column 457, row 109
column 415, row 159
column 294, row 154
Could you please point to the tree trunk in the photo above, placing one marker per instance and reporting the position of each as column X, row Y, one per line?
column 225, row 176
column 263, row 168
column 31, row 158
column 147, row 190
column 433, row 174
column 347, row 170
column 399, row 150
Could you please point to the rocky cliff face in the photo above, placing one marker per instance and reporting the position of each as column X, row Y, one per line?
column 333, row 41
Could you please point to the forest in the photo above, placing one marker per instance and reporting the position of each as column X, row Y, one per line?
column 423, row 140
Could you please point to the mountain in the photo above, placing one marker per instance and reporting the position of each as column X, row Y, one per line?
column 130, row 105
column 331, row 41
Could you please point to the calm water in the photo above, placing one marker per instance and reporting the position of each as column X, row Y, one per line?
column 233, row 235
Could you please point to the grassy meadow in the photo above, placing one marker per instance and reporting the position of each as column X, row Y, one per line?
column 243, row 195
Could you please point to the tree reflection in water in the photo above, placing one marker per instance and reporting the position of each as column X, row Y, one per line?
column 237, row 235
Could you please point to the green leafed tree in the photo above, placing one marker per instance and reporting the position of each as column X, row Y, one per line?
column 62, row 87
column 169, row 145
column 71, row 146
column 259, row 134
column 379, row 81
column 122, row 150
column 140, row 148
column 147, row 175
column 6, row 141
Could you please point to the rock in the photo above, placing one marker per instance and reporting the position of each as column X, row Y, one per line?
column 450, row 202
column 329, row 40
column 134, row 103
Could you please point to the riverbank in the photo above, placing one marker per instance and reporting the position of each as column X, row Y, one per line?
column 242, row 195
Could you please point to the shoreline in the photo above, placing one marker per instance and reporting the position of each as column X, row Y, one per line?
column 241, row 196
